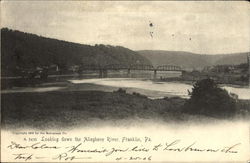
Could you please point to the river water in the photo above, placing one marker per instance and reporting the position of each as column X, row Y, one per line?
column 160, row 89
column 149, row 88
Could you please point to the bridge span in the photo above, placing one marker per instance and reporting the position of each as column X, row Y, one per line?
column 128, row 69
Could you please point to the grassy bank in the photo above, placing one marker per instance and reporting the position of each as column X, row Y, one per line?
column 70, row 108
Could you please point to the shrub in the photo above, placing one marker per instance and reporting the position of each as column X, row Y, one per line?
column 208, row 99
column 120, row 90
column 139, row 95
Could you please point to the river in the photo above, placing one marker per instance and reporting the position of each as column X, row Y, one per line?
column 149, row 88
column 157, row 89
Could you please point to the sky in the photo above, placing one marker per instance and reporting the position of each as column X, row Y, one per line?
column 205, row 27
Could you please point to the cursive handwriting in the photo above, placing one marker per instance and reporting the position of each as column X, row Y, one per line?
column 38, row 145
column 76, row 149
column 68, row 157
column 23, row 156
column 107, row 152
column 172, row 147
column 138, row 152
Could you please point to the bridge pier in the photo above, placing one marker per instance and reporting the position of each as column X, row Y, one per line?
column 155, row 73
column 100, row 73
column 103, row 73
column 129, row 74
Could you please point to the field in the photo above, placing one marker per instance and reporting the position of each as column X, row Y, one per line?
column 62, row 109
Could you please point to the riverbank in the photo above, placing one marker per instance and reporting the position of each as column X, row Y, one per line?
column 62, row 109
column 70, row 108
column 150, row 88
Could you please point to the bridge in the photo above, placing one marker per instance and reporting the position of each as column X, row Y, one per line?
column 103, row 70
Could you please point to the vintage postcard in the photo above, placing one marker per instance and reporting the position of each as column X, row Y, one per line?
column 125, row 81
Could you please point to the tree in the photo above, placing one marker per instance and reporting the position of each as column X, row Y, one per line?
column 208, row 99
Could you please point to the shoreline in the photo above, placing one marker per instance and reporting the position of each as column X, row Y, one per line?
column 113, row 84
column 72, row 108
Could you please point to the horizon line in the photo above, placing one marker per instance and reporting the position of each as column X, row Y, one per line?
column 124, row 46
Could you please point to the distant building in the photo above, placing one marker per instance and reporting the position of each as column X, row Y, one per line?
column 223, row 68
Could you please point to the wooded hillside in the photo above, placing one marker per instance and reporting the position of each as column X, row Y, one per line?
column 23, row 50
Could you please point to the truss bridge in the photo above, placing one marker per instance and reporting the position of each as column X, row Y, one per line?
column 128, row 69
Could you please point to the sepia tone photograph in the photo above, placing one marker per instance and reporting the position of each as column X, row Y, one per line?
column 128, row 73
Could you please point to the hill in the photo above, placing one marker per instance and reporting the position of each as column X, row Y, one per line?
column 21, row 50
column 191, row 60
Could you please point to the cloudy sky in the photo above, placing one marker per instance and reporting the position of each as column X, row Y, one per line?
column 200, row 27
